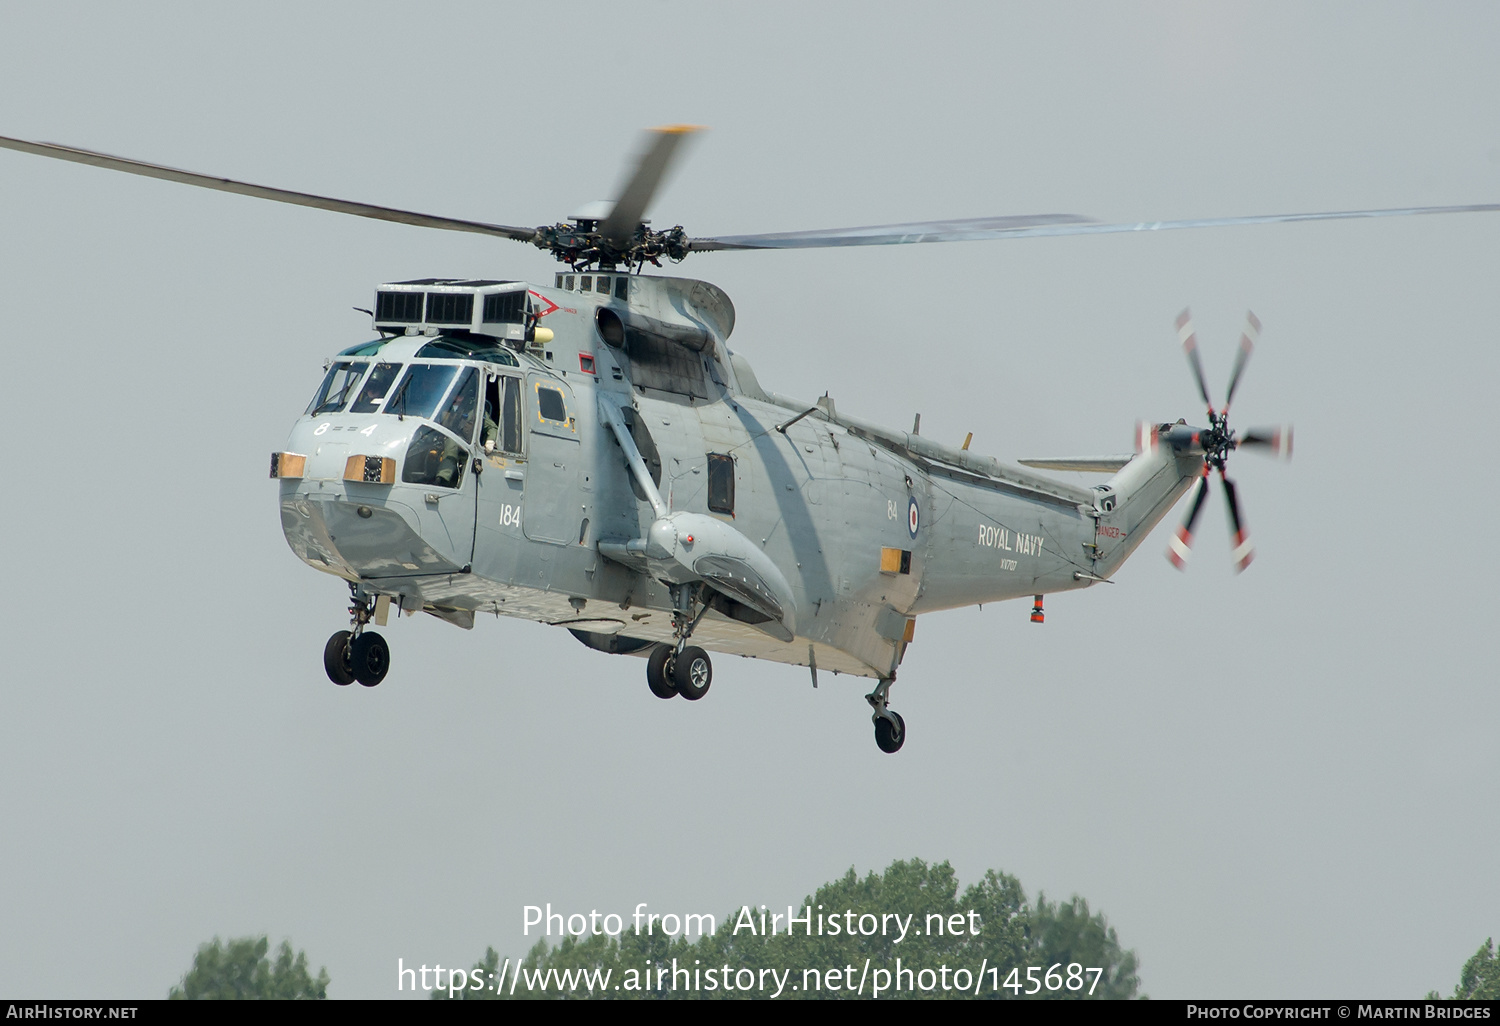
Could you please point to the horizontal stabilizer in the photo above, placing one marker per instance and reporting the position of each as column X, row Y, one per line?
column 1089, row 464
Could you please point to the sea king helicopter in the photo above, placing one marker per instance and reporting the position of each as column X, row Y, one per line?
column 591, row 454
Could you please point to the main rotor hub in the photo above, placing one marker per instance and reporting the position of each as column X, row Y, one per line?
column 581, row 245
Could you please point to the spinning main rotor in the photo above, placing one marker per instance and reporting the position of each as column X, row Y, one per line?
column 618, row 236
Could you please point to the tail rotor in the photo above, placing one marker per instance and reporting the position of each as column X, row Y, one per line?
column 1217, row 442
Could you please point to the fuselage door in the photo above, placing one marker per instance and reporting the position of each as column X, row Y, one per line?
column 554, row 501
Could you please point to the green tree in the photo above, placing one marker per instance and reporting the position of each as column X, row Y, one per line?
column 1004, row 932
column 1067, row 933
column 241, row 970
column 1480, row 978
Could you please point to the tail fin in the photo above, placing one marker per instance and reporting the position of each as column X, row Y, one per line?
column 1136, row 499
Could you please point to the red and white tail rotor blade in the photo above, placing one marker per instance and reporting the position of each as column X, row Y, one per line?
column 1248, row 338
column 1277, row 440
column 1180, row 546
column 1243, row 551
column 1190, row 346
column 1145, row 436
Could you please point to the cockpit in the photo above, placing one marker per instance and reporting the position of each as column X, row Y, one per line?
column 422, row 378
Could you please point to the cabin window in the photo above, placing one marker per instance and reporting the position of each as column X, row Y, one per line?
column 720, row 483
column 375, row 388
column 550, row 405
column 337, row 384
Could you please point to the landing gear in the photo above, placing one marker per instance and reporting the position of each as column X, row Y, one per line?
column 890, row 734
column 371, row 657
column 692, row 672
column 357, row 654
column 336, row 661
column 680, row 668
column 659, row 665
column 669, row 674
column 890, row 728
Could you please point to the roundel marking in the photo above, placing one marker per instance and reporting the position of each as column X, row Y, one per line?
column 913, row 516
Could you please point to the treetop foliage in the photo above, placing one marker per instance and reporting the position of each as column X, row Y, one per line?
column 1480, row 978
column 240, row 970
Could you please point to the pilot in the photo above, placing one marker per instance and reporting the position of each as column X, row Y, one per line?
column 491, row 437
column 459, row 416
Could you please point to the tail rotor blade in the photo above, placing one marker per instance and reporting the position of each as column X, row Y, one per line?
column 1243, row 552
column 1181, row 544
column 1248, row 338
column 1190, row 346
column 1145, row 437
column 635, row 197
column 1278, row 440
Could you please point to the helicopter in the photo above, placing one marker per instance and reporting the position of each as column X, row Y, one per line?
column 591, row 454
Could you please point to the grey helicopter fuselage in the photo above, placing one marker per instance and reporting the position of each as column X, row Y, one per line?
column 495, row 451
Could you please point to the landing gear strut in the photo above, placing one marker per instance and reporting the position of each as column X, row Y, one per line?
column 357, row 654
column 890, row 728
column 681, row 669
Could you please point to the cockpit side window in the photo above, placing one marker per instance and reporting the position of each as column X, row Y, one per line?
column 459, row 411
column 510, row 423
column 337, row 384
column 502, row 414
column 375, row 388
column 433, row 458
column 421, row 390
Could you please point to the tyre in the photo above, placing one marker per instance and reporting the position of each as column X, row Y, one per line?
column 693, row 673
column 371, row 658
column 890, row 736
column 659, row 672
column 336, row 661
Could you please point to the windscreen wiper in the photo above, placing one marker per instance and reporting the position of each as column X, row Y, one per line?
column 400, row 397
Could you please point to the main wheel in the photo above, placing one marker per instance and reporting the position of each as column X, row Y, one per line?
column 890, row 736
column 336, row 661
column 659, row 672
column 371, row 658
column 693, row 673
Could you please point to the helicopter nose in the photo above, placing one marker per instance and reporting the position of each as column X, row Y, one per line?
column 358, row 539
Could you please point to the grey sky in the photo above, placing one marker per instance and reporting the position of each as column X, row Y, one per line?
column 1283, row 784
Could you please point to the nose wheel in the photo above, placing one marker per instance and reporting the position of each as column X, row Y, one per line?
column 357, row 654
column 338, row 662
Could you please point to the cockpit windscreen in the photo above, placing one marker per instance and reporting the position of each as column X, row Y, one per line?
column 421, row 390
column 375, row 389
column 337, row 384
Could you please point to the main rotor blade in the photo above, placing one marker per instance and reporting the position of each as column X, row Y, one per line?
column 1248, row 338
column 974, row 229
column 1277, row 439
column 1190, row 346
column 1243, row 552
column 619, row 226
column 958, row 230
column 301, row 199
column 1181, row 544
